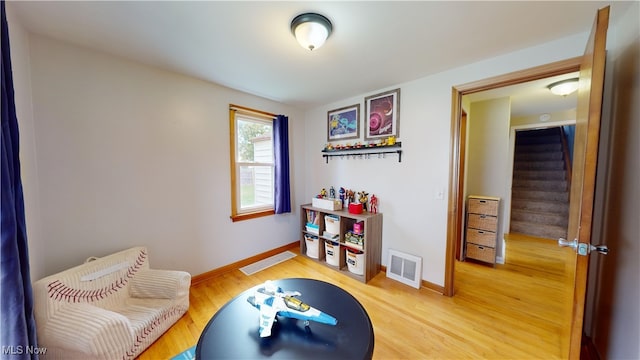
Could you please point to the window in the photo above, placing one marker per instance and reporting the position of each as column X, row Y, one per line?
column 252, row 163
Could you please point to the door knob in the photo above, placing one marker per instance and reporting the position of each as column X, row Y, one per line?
column 602, row 249
column 582, row 248
column 568, row 243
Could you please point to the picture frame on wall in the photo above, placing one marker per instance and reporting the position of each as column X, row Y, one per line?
column 343, row 123
column 382, row 115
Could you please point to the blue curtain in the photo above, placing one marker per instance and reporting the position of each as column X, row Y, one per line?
column 281, row 176
column 18, row 325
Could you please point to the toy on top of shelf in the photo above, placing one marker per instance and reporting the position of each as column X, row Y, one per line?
column 391, row 140
column 373, row 204
column 323, row 193
column 351, row 196
column 342, row 195
column 363, row 198
column 332, row 192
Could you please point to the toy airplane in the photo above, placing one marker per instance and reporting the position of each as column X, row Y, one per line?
column 272, row 301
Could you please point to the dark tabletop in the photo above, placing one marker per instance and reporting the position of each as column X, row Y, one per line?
column 232, row 333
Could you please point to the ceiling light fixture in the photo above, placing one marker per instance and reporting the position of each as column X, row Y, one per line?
column 311, row 30
column 564, row 87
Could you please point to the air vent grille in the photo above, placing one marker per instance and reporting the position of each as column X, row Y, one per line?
column 405, row 268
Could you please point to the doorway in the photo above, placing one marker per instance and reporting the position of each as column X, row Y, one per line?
column 454, row 221
column 544, row 74
column 495, row 115
column 589, row 108
column 541, row 179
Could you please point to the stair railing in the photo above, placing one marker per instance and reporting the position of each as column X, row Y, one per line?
column 566, row 155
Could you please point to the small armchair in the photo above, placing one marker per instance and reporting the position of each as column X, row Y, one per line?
column 112, row 307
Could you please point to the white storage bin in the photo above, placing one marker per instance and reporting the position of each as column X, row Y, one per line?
column 313, row 246
column 332, row 224
column 332, row 252
column 355, row 261
column 326, row 204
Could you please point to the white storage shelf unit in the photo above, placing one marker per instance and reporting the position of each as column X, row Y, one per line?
column 371, row 249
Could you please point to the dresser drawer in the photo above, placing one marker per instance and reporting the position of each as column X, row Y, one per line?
column 482, row 253
column 481, row 237
column 483, row 222
column 483, row 206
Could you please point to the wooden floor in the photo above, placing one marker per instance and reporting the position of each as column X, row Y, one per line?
column 514, row 311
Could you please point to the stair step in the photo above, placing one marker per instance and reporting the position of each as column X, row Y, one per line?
column 546, row 185
column 539, row 165
column 541, row 218
column 544, row 231
column 531, row 140
column 538, row 147
column 556, row 207
column 537, row 132
column 538, row 156
column 540, row 195
column 539, row 174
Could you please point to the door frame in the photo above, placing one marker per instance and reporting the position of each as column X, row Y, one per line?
column 455, row 221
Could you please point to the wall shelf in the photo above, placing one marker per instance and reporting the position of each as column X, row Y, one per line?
column 364, row 152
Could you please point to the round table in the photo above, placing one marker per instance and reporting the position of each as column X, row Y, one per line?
column 232, row 333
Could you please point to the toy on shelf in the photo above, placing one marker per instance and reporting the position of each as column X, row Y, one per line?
column 323, row 193
column 363, row 198
column 343, row 196
column 351, row 197
column 373, row 204
column 391, row 140
column 332, row 192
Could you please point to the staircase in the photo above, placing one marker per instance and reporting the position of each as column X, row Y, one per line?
column 539, row 193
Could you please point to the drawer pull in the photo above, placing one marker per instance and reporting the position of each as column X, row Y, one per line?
column 480, row 247
column 482, row 201
column 483, row 216
column 480, row 232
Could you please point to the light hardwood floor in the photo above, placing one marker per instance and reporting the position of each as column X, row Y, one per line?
column 514, row 311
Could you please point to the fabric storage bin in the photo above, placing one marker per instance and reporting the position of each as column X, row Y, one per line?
column 332, row 224
column 332, row 252
column 355, row 261
column 313, row 246
column 327, row 204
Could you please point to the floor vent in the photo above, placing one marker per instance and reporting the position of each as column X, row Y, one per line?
column 405, row 268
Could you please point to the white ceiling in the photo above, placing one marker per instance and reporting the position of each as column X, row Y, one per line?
column 248, row 46
column 533, row 97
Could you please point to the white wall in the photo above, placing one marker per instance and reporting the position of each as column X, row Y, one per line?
column 128, row 154
column 19, row 44
column 558, row 116
column 488, row 162
column 414, row 220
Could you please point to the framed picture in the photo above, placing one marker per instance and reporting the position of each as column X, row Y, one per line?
column 343, row 123
column 382, row 115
